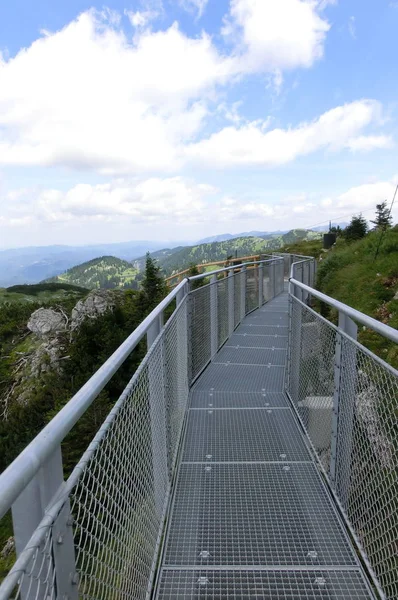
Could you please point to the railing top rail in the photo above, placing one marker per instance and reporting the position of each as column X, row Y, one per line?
column 232, row 267
column 21, row 471
column 369, row 322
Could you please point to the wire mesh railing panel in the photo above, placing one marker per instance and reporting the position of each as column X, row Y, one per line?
column 222, row 310
column 117, row 504
column 238, row 282
column 267, row 283
column 367, row 457
column 252, row 289
column 37, row 581
column 176, row 379
column 200, row 329
column 279, row 277
column 311, row 375
column 117, row 495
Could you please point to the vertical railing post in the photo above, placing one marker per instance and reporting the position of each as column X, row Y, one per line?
column 260, row 285
column 231, row 302
column 157, row 406
column 294, row 345
column 343, row 407
column 213, row 316
column 272, row 274
column 243, row 284
column 27, row 512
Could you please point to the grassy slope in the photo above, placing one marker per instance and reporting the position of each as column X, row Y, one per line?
column 40, row 293
column 100, row 272
column 350, row 273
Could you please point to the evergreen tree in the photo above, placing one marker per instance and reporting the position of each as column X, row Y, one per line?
column 153, row 287
column 357, row 228
column 383, row 217
column 193, row 270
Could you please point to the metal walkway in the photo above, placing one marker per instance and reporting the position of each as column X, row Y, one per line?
column 251, row 516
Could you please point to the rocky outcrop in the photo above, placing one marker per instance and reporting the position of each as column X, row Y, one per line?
column 47, row 322
column 8, row 548
column 95, row 305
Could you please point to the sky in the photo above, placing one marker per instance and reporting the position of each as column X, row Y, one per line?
column 180, row 119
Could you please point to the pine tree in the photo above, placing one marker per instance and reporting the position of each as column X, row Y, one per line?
column 383, row 217
column 193, row 270
column 357, row 229
column 153, row 286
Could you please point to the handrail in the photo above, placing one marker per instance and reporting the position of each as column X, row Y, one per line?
column 356, row 315
column 229, row 268
column 21, row 471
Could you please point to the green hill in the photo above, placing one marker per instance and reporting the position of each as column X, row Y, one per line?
column 178, row 259
column 350, row 273
column 106, row 272
column 41, row 293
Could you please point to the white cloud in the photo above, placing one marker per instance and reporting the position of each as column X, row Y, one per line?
column 196, row 6
column 352, row 28
column 174, row 204
column 87, row 97
column 141, row 18
column 277, row 35
column 251, row 144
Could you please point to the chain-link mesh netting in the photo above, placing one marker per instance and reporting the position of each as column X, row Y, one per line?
column 38, row 578
column 238, row 283
column 279, row 277
column 200, row 329
column 347, row 399
column 222, row 310
column 311, row 375
column 252, row 289
column 367, row 457
column 118, row 492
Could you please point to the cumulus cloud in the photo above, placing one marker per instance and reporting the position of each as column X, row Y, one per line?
column 180, row 201
column 89, row 97
column 252, row 144
column 277, row 35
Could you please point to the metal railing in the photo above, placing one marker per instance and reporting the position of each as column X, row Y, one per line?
column 98, row 534
column 347, row 400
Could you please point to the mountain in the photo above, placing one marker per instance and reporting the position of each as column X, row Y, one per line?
column 106, row 272
column 325, row 228
column 109, row 271
column 35, row 263
column 222, row 237
column 179, row 259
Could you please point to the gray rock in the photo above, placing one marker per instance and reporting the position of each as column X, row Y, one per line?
column 396, row 295
column 46, row 321
column 96, row 304
column 8, row 548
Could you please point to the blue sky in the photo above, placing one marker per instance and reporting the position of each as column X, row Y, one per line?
column 185, row 118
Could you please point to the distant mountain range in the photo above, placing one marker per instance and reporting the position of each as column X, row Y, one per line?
column 37, row 263
column 112, row 272
column 33, row 264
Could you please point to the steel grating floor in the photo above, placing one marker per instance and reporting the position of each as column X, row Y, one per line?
column 251, row 516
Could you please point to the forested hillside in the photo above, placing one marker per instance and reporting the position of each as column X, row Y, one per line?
column 106, row 272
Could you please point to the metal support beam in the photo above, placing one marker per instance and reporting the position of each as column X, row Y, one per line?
column 27, row 512
column 243, row 284
column 231, row 302
column 213, row 315
column 260, row 285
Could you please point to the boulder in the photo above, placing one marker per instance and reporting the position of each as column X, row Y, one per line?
column 46, row 321
column 96, row 304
